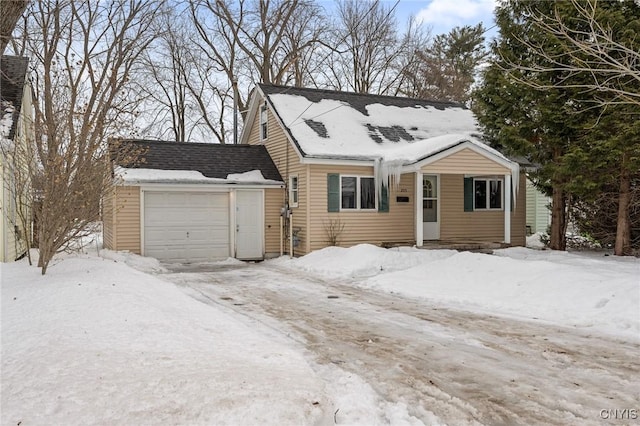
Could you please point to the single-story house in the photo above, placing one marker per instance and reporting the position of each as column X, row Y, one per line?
column 193, row 202
column 384, row 170
column 16, row 130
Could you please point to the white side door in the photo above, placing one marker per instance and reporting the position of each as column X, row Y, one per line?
column 430, row 207
column 249, row 224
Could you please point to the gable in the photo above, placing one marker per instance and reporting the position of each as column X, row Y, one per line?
column 465, row 161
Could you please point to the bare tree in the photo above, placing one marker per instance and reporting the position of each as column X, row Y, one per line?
column 85, row 53
column 257, row 41
column 10, row 12
column 593, row 50
column 366, row 48
column 164, row 83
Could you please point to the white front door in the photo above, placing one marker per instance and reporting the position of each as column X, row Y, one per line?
column 249, row 224
column 430, row 208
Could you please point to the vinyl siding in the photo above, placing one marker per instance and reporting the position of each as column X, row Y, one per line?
column 487, row 226
column 373, row 227
column 465, row 161
column 288, row 163
column 13, row 233
column 538, row 214
column 273, row 201
column 108, row 219
column 127, row 221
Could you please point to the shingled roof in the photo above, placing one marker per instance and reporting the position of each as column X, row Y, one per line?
column 358, row 101
column 13, row 71
column 212, row 160
column 330, row 124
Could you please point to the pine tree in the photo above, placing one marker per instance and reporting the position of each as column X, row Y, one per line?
column 540, row 87
column 446, row 69
column 539, row 125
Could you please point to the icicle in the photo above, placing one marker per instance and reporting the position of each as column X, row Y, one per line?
column 515, row 182
column 387, row 174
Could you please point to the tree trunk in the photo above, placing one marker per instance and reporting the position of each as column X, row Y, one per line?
column 557, row 239
column 623, row 226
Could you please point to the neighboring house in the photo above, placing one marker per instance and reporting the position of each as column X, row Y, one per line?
column 16, row 130
column 188, row 202
column 538, row 211
column 385, row 170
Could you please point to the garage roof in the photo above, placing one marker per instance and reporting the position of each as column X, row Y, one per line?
column 212, row 160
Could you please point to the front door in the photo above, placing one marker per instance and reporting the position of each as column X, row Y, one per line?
column 430, row 208
column 249, row 224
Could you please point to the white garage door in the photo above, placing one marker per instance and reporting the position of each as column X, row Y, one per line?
column 186, row 226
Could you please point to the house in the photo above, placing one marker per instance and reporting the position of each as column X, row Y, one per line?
column 16, row 132
column 193, row 202
column 384, row 170
column 538, row 211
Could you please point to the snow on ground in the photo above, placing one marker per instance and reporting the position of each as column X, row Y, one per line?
column 587, row 290
column 97, row 342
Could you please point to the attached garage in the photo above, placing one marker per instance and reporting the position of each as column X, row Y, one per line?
column 194, row 212
column 186, row 226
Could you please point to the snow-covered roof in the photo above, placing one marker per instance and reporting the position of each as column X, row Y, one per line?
column 392, row 132
column 13, row 72
column 329, row 124
column 6, row 121
column 159, row 161
column 139, row 175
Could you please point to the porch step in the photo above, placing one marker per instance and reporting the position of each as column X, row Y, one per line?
column 473, row 246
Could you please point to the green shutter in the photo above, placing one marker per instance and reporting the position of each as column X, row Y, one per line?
column 383, row 203
column 468, row 194
column 333, row 192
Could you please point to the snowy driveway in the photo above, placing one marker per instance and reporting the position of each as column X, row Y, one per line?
column 446, row 365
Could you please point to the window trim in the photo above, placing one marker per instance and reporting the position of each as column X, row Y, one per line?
column 264, row 121
column 293, row 190
column 487, row 181
column 358, row 207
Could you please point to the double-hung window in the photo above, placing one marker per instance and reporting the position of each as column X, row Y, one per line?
column 357, row 193
column 487, row 194
column 293, row 191
column 263, row 121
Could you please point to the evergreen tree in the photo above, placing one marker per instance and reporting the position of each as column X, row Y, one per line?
column 446, row 69
column 537, row 89
column 539, row 125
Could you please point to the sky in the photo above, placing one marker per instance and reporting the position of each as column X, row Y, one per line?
column 443, row 15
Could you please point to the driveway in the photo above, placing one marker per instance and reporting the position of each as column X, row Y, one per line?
column 463, row 367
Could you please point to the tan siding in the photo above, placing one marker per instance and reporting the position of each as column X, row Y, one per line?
column 488, row 226
column 288, row 163
column 127, row 224
column 107, row 219
column 273, row 201
column 465, row 161
column 361, row 226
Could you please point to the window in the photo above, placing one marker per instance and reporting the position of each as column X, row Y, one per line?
column 263, row 121
column 293, row 191
column 357, row 193
column 487, row 194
